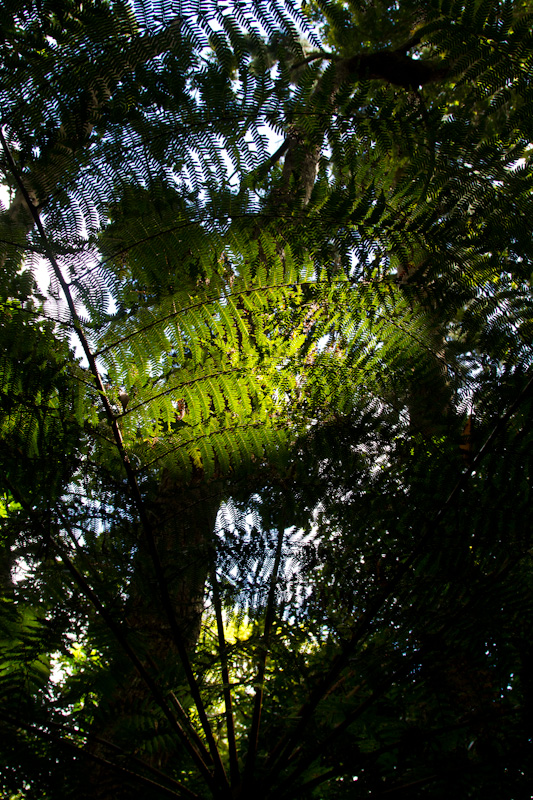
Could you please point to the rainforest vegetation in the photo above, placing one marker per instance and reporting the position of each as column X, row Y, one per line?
column 266, row 399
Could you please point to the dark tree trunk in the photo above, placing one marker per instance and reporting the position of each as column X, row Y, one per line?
column 183, row 520
column 430, row 394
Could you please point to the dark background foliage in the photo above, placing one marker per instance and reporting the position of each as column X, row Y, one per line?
column 266, row 423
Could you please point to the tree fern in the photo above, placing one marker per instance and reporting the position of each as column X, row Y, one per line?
column 300, row 334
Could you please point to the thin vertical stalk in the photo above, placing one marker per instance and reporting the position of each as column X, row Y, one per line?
column 195, row 740
column 230, row 724
column 260, row 677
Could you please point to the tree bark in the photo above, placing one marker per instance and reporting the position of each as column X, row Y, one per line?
column 183, row 519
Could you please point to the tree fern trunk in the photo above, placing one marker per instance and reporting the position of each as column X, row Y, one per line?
column 429, row 394
column 183, row 519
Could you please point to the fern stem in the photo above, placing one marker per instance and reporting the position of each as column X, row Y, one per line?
column 128, row 650
column 230, row 725
column 321, row 747
column 73, row 732
column 260, row 677
column 323, row 56
column 68, row 744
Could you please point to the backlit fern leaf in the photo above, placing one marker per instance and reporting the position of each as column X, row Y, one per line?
column 295, row 324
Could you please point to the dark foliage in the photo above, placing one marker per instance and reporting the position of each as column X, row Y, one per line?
column 266, row 434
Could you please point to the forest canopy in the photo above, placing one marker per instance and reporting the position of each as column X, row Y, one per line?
column 266, row 392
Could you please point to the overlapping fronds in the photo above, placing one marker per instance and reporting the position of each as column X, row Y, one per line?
column 289, row 260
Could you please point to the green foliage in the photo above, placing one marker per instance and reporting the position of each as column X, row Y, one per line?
column 265, row 460
column 42, row 407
